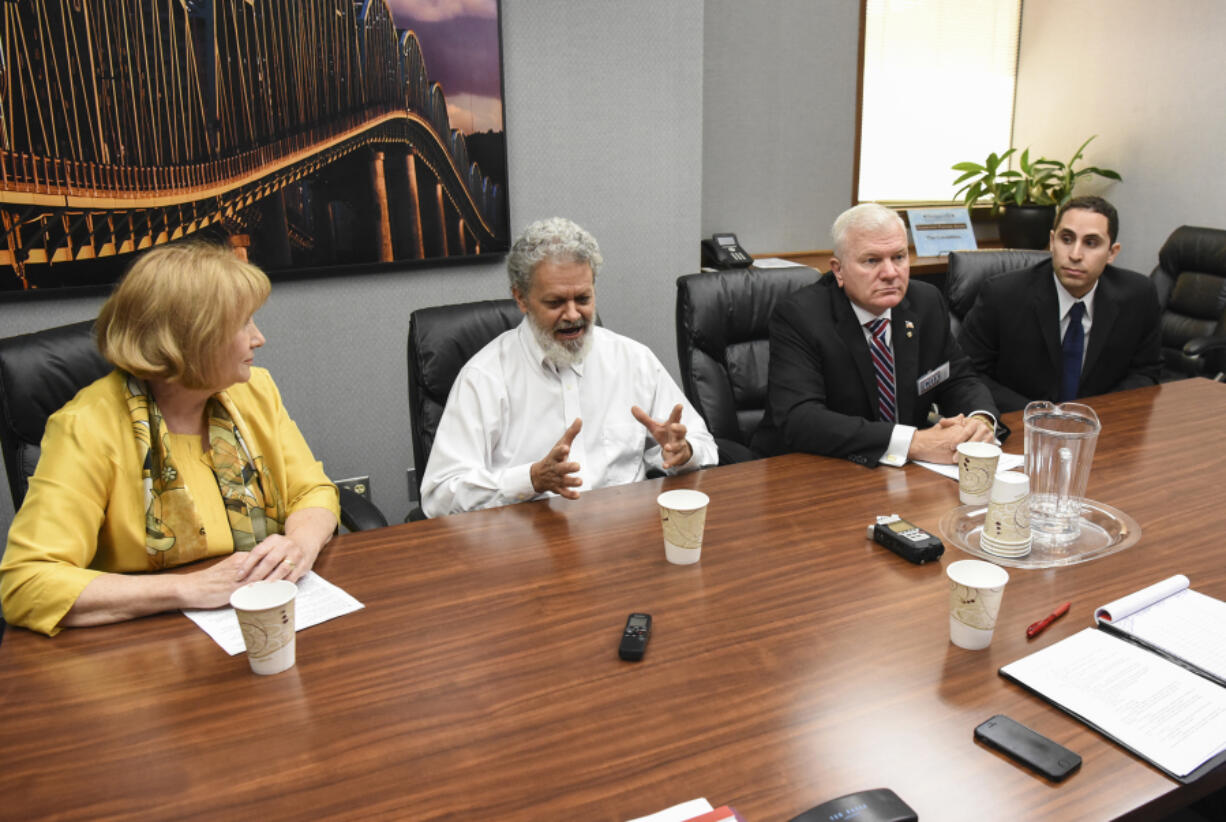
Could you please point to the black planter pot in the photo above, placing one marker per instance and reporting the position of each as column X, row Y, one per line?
column 1026, row 226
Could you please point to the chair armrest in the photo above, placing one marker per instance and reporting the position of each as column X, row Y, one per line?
column 1197, row 346
column 732, row 452
column 359, row 513
column 1193, row 360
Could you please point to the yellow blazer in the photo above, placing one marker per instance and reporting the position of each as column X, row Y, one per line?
column 85, row 511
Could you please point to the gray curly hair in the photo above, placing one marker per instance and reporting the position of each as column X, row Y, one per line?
column 557, row 239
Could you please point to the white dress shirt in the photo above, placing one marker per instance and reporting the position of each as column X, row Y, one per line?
column 509, row 406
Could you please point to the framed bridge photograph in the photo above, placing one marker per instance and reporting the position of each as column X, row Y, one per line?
column 316, row 137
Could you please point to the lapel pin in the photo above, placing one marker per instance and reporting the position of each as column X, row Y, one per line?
column 910, row 327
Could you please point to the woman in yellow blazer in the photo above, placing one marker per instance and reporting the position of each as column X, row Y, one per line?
column 183, row 452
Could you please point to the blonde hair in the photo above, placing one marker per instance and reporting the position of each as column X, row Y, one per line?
column 176, row 309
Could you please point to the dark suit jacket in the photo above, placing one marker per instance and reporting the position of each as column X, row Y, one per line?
column 1012, row 335
column 821, row 392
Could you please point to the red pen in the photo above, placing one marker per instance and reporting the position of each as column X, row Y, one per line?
column 1038, row 627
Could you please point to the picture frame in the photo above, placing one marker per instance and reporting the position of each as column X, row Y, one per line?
column 316, row 137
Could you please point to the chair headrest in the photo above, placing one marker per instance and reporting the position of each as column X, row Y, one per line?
column 443, row 338
column 1192, row 248
column 969, row 269
column 40, row 372
column 722, row 308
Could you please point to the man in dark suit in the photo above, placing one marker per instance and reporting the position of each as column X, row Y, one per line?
column 857, row 358
column 1073, row 326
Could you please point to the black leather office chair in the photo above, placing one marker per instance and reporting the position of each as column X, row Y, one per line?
column 441, row 340
column 1191, row 282
column 723, row 347
column 969, row 269
column 42, row 371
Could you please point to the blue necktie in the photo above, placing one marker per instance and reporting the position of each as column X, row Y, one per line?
column 883, row 367
column 1074, row 345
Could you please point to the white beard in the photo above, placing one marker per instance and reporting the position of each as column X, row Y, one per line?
column 561, row 355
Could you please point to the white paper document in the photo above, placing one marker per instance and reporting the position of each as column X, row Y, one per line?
column 1008, row 462
column 1174, row 619
column 1124, row 607
column 1167, row 714
column 775, row 262
column 678, row 813
column 317, row 601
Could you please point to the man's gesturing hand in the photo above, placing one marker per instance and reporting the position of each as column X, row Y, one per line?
column 554, row 473
column 670, row 434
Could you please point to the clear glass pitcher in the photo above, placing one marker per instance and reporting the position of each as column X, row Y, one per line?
column 1060, row 441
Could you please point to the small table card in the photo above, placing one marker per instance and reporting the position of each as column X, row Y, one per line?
column 938, row 231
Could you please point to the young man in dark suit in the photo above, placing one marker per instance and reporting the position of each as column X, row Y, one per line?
column 1069, row 327
column 858, row 358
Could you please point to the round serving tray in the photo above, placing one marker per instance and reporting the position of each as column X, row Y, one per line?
column 1104, row 531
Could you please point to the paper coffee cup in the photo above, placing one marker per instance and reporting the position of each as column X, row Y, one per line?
column 975, row 590
column 1007, row 521
column 977, row 463
column 683, row 515
column 1009, row 486
column 265, row 613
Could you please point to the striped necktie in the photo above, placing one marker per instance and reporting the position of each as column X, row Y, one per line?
column 883, row 366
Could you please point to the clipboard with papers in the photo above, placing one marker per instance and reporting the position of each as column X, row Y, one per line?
column 1149, row 680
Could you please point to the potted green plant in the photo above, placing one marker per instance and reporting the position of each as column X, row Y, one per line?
column 1025, row 198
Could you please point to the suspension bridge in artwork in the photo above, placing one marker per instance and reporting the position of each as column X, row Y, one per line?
column 129, row 123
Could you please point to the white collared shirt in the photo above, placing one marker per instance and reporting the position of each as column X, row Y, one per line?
column 1066, row 305
column 509, row 406
column 865, row 317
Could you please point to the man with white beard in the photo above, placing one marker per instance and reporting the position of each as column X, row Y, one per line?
column 558, row 405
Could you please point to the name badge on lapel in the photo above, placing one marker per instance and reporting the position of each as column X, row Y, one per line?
column 933, row 378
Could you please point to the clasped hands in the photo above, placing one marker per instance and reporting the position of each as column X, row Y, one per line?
column 940, row 442
column 277, row 557
column 555, row 473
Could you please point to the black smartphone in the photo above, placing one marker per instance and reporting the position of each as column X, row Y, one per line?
column 1032, row 749
column 634, row 637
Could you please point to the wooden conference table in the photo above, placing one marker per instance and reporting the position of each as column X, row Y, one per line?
column 797, row 662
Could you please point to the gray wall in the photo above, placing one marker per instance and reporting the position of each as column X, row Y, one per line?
column 604, row 118
column 655, row 123
column 1146, row 78
column 778, row 120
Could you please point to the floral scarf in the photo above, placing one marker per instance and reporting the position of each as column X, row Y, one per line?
column 174, row 534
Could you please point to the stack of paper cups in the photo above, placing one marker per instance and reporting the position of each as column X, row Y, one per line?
column 1006, row 528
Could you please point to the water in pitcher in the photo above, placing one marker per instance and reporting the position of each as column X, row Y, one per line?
column 1060, row 441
